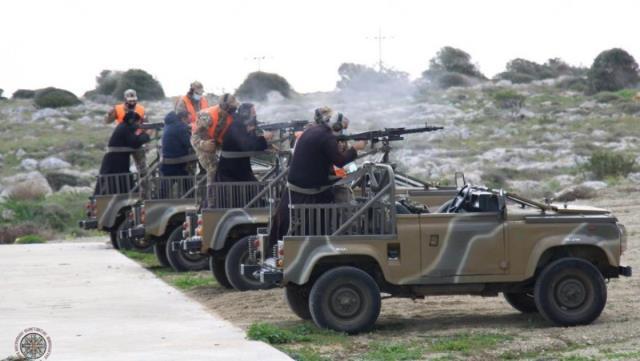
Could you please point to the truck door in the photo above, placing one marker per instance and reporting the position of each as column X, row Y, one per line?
column 462, row 244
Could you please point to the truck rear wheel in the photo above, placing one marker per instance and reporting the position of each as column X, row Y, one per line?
column 570, row 291
column 345, row 299
column 522, row 301
column 113, row 235
column 298, row 300
column 123, row 243
column 160, row 250
column 180, row 260
column 239, row 254
column 217, row 267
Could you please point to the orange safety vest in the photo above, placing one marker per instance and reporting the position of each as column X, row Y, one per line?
column 191, row 109
column 214, row 113
column 121, row 111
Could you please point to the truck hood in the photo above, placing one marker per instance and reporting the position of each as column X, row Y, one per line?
column 578, row 209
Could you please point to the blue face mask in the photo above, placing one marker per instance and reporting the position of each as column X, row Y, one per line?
column 197, row 96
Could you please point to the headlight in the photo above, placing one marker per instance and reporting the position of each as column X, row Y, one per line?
column 623, row 238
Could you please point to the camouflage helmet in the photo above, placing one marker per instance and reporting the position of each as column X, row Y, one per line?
column 130, row 94
column 196, row 87
column 322, row 114
column 228, row 102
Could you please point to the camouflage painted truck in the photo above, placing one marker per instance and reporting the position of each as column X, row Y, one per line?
column 338, row 258
column 157, row 221
column 106, row 210
column 225, row 233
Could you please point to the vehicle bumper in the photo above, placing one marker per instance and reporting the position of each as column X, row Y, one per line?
column 136, row 232
column 266, row 275
column 625, row 271
column 88, row 224
column 191, row 245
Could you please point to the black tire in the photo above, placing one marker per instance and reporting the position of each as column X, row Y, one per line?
column 180, row 260
column 522, row 301
column 237, row 255
column 570, row 291
column 122, row 242
column 345, row 299
column 217, row 267
column 113, row 235
column 298, row 300
column 143, row 245
column 160, row 250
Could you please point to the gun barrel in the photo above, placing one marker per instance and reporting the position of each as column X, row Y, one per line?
column 155, row 126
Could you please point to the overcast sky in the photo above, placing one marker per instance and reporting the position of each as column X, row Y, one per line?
column 66, row 43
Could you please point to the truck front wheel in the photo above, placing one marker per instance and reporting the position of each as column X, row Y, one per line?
column 345, row 299
column 522, row 301
column 570, row 291
column 239, row 254
column 180, row 260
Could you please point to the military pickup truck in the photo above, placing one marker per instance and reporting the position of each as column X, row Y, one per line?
column 338, row 258
column 114, row 195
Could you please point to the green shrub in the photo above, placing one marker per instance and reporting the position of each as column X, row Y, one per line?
column 258, row 84
column 452, row 60
column 30, row 239
column 605, row 163
column 607, row 97
column 23, row 94
column 111, row 83
column 363, row 79
column 55, row 98
column 578, row 84
column 509, row 100
column 448, row 80
column 525, row 71
column 273, row 334
column 612, row 70
column 10, row 232
column 142, row 82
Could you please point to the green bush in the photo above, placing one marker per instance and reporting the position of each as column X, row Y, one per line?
column 273, row 334
column 23, row 94
column 605, row 163
column 30, row 239
column 113, row 83
column 144, row 84
column 578, row 84
column 10, row 232
column 364, row 79
column 452, row 60
column 607, row 97
column 612, row 70
column 55, row 98
column 258, row 84
column 521, row 71
column 448, row 80
column 509, row 100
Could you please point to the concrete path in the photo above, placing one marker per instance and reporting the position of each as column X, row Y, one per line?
column 96, row 304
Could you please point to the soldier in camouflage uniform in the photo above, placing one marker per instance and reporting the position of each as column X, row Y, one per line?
column 117, row 114
column 208, row 131
column 193, row 102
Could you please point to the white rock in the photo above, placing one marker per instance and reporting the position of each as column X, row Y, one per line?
column 29, row 164
column 85, row 120
column 634, row 177
column 20, row 153
column 45, row 113
column 597, row 185
column 8, row 215
column 53, row 163
column 32, row 183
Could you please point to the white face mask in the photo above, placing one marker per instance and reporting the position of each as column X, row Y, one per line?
column 197, row 96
